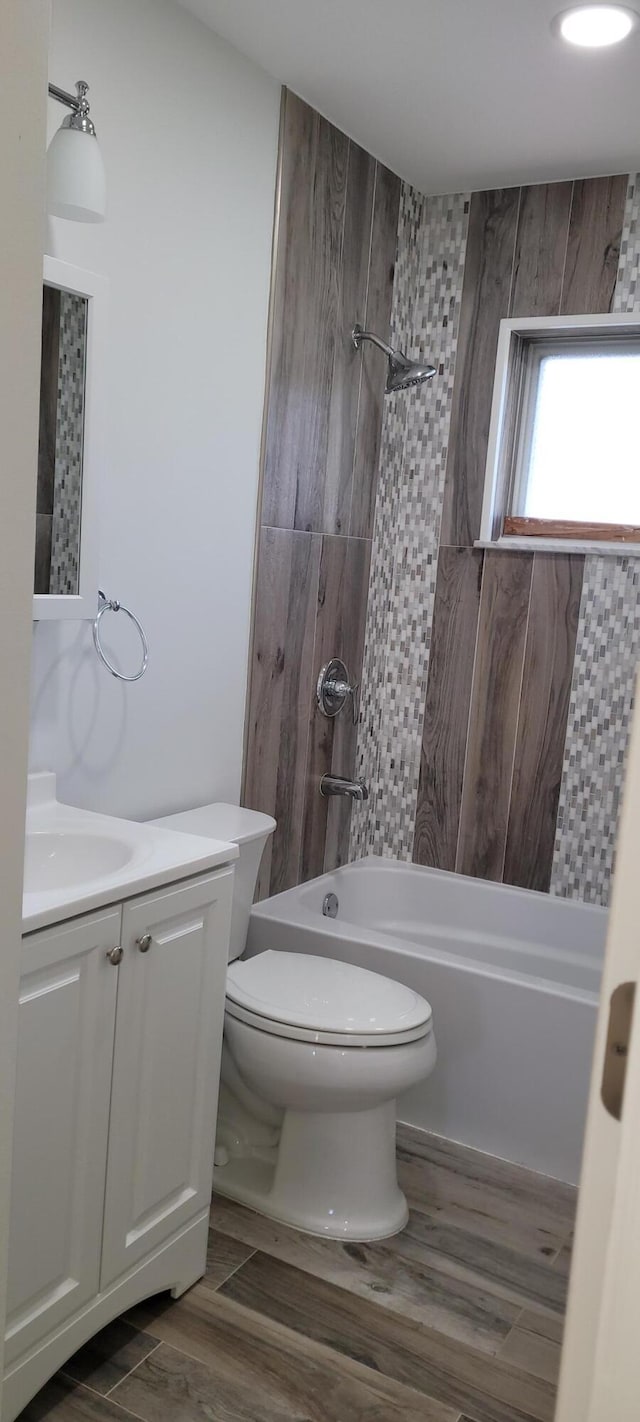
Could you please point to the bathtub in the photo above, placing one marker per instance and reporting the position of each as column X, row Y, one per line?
column 513, row 979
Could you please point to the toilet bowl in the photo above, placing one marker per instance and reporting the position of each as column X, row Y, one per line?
column 315, row 1053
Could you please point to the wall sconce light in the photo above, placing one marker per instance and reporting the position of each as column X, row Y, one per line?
column 76, row 181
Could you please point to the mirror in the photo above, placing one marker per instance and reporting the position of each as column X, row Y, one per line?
column 65, row 574
column 61, row 439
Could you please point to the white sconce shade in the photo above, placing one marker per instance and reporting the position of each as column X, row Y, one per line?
column 76, row 179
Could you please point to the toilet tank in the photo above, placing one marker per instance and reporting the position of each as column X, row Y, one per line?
column 250, row 830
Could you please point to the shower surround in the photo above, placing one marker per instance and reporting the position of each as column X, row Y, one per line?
column 497, row 687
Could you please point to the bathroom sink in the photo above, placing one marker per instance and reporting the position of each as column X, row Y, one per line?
column 59, row 859
column 77, row 860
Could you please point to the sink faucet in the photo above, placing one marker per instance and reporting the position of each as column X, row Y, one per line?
column 337, row 785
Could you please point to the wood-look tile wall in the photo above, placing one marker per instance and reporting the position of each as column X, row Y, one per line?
column 335, row 253
column 504, row 624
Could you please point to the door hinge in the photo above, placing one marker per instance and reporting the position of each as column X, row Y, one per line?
column 616, row 1053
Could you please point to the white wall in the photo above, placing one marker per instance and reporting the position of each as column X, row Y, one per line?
column 189, row 132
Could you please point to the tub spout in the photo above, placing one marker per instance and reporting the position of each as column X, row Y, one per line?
column 337, row 785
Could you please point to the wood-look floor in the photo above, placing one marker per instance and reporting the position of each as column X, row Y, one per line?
column 457, row 1319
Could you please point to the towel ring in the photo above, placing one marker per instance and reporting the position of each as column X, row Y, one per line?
column 106, row 604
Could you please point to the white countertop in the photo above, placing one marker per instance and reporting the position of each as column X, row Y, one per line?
column 145, row 857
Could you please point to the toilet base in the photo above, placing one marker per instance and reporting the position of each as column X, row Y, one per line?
column 334, row 1175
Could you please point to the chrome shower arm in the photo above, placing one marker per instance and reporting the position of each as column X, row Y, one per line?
column 358, row 336
column 402, row 372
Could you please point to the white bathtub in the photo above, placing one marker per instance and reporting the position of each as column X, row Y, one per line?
column 512, row 977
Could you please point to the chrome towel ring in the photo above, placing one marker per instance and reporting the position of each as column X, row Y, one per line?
column 106, row 604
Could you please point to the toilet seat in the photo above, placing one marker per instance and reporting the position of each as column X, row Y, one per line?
column 328, row 1039
column 324, row 1001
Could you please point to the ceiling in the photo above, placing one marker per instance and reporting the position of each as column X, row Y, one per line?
column 452, row 94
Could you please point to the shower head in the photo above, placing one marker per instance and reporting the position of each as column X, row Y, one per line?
column 401, row 372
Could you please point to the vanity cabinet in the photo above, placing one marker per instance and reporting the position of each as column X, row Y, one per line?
column 119, row 1042
column 63, row 1086
column 166, row 1065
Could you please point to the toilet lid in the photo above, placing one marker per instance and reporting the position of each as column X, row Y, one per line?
column 325, row 996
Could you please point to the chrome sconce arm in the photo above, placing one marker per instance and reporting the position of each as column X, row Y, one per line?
column 79, row 105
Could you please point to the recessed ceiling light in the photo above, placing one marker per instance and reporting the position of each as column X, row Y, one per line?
column 595, row 26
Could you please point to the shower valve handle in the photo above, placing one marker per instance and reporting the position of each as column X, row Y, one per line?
column 334, row 689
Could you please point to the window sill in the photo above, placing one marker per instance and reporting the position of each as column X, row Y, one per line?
column 560, row 545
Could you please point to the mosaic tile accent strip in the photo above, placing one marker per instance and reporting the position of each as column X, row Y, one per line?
column 627, row 293
column 602, row 691
column 607, row 658
column 424, row 321
column 67, row 486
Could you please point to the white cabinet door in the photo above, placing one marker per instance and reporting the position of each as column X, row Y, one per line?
column 63, row 1085
column 170, row 1018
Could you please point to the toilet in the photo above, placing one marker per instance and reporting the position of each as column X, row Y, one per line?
column 315, row 1053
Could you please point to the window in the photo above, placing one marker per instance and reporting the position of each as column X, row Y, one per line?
column 564, row 453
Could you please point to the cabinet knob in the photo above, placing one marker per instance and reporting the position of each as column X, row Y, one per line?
column 115, row 955
column 144, row 943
